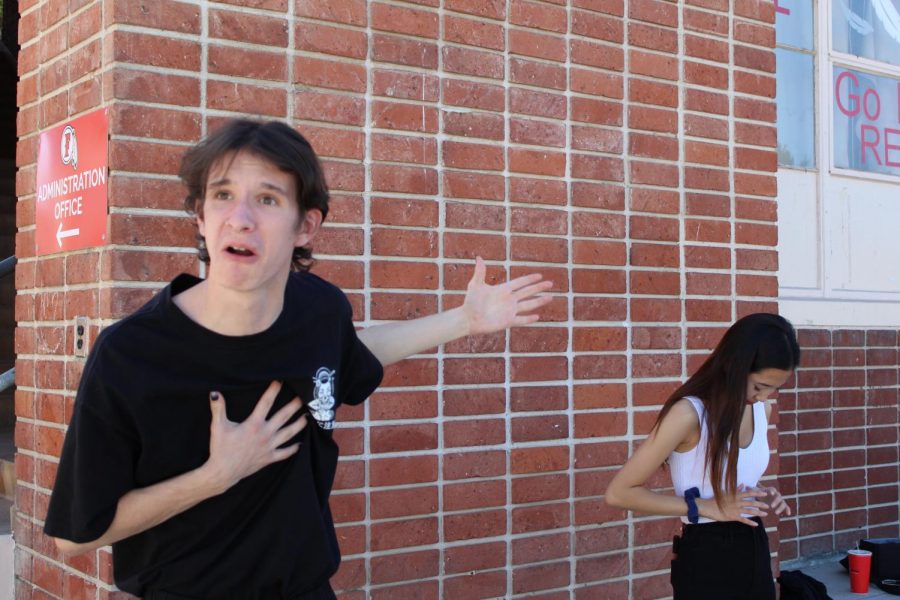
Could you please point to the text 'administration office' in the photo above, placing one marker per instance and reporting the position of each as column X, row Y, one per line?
column 670, row 166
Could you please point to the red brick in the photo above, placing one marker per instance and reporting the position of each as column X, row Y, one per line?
column 539, row 16
column 540, row 459
column 477, row 63
column 248, row 28
column 654, row 11
column 492, row 9
column 653, row 38
column 327, row 74
column 403, row 502
column 410, row 566
column 469, row 526
column 415, row 180
column 156, row 51
column 653, row 65
column 539, row 104
column 474, row 32
column 473, row 185
column 596, row 26
column 537, row 74
column 537, row 162
column 529, row 43
column 350, row 12
column 542, row 577
column 461, row 559
column 326, row 39
column 246, row 98
column 583, row 52
column 405, row 85
column 539, row 250
column 402, row 51
column 398, row 19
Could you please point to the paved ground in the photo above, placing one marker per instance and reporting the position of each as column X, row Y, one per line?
column 830, row 572
column 7, row 570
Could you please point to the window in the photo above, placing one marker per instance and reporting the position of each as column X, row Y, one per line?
column 866, row 92
column 867, row 29
column 794, row 97
column 866, row 125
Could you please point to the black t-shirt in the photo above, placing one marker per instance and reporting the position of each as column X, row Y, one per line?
column 142, row 416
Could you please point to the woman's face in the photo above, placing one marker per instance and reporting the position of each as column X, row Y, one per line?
column 764, row 383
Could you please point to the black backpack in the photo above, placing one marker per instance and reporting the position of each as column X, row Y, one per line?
column 797, row 585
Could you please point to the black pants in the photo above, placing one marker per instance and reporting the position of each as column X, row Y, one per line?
column 324, row 592
column 722, row 561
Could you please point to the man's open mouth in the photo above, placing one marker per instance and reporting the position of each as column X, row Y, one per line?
column 239, row 251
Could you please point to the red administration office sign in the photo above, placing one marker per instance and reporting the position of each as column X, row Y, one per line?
column 71, row 185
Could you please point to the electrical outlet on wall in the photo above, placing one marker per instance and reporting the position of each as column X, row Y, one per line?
column 82, row 331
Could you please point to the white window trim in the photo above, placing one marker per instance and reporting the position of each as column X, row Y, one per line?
column 826, row 304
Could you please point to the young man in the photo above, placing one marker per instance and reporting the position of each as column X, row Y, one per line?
column 201, row 442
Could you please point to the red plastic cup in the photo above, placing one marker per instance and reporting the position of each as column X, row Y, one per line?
column 860, row 567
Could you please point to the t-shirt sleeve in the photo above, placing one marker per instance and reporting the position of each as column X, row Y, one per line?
column 96, row 467
column 361, row 371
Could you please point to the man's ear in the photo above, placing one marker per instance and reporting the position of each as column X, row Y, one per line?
column 198, row 216
column 308, row 227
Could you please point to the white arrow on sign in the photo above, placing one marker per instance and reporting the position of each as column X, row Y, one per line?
column 60, row 234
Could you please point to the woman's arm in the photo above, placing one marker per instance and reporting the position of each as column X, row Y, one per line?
column 680, row 427
column 627, row 489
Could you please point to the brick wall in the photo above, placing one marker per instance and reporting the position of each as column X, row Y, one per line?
column 624, row 148
column 838, row 439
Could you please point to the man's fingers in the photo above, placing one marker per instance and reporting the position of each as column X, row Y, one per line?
column 521, row 283
column 480, row 272
column 265, row 402
column 530, row 305
column 522, row 320
column 285, row 413
column 533, row 289
column 283, row 453
column 286, row 433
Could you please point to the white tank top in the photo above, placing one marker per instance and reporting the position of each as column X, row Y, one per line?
column 688, row 468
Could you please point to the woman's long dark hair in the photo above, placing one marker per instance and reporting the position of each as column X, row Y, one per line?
column 755, row 342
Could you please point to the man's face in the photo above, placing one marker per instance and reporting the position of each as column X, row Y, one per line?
column 252, row 223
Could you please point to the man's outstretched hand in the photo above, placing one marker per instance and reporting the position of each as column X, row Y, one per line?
column 490, row 308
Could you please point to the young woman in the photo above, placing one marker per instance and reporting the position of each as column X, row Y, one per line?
column 712, row 433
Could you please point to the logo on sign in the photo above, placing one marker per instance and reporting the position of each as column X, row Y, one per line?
column 68, row 147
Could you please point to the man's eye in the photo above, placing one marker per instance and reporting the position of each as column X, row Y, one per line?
column 222, row 195
column 268, row 200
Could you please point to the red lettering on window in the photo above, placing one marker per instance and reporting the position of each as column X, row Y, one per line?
column 889, row 147
column 781, row 9
column 873, row 144
column 853, row 98
column 865, row 104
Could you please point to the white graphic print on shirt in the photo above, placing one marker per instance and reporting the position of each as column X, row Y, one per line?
column 322, row 406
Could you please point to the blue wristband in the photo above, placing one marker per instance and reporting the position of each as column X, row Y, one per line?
column 690, row 496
